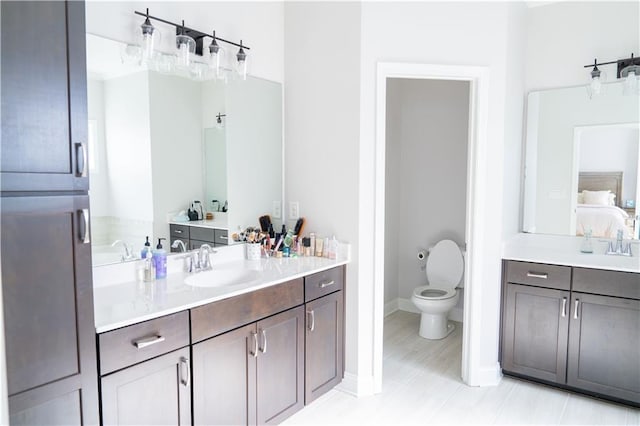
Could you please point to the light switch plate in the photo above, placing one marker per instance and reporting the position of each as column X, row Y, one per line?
column 276, row 210
column 294, row 210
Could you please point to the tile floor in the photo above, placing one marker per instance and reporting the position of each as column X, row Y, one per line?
column 422, row 385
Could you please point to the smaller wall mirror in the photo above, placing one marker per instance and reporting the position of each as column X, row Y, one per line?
column 582, row 160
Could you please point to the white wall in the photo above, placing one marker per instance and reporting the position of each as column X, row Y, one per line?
column 322, row 63
column 176, row 151
column 259, row 24
column 612, row 149
column 431, row 174
column 562, row 37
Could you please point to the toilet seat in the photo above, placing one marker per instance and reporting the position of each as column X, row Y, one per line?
column 445, row 265
column 430, row 292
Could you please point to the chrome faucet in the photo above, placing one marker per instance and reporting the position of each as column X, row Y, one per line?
column 620, row 249
column 128, row 252
column 179, row 243
column 204, row 260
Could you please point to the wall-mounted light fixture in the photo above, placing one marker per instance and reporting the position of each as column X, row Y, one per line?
column 190, row 54
column 219, row 122
column 627, row 69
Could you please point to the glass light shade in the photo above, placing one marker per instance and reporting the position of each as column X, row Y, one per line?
column 595, row 87
column 131, row 54
column 186, row 47
column 241, row 64
column 149, row 38
column 163, row 63
column 215, row 59
column 630, row 85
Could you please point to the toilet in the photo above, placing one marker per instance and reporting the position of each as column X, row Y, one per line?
column 445, row 266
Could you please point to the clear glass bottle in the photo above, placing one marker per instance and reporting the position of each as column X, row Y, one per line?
column 587, row 245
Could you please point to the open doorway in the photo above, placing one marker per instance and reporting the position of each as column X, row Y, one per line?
column 476, row 164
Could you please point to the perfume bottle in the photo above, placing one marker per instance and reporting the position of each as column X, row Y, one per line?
column 587, row 245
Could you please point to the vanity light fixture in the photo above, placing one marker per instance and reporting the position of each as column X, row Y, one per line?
column 190, row 42
column 627, row 69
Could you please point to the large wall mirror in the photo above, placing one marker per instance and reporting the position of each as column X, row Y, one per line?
column 582, row 160
column 156, row 145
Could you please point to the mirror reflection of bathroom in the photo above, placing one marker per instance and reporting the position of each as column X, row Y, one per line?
column 427, row 139
column 606, row 182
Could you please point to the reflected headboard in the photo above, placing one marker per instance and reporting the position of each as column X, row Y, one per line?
column 602, row 181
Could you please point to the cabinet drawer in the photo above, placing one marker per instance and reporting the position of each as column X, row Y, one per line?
column 221, row 236
column 539, row 275
column 607, row 283
column 179, row 231
column 203, row 234
column 139, row 342
column 224, row 315
column 322, row 283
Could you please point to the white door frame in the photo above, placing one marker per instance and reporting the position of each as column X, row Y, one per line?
column 478, row 77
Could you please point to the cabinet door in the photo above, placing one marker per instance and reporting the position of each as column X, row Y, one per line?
column 535, row 330
column 44, row 99
column 280, row 372
column 604, row 346
column 155, row 392
column 48, row 309
column 224, row 367
column 323, row 345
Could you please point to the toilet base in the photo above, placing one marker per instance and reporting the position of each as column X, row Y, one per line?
column 435, row 327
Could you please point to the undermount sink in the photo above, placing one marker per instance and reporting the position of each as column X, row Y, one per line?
column 221, row 277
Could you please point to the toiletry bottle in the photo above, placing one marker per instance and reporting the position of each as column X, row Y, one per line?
column 586, row 246
column 146, row 249
column 326, row 247
column 160, row 259
column 149, row 268
column 333, row 248
column 312, row 241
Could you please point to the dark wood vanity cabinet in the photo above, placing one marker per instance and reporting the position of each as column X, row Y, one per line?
column 46, row 255
column 146, row 372
column 324, row 332
column 195, row 236
column 575, row 327
column 253, row 374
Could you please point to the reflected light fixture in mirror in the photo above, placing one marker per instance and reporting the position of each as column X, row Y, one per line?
column 219, row 122
column 628, row 69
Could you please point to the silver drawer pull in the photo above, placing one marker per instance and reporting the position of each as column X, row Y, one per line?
column 148, row 341
column 312, row 324
column 564, row 307
column 81, row 160
column 84, row 226
column 184, row 366
column 263, row 349
column 327, row 283
column 575, row 309
column 177, row 231
column 254, row 353
column 537, row 275
column 223, row 237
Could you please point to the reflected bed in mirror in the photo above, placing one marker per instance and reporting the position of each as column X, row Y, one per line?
column 156, row 145
column 582, row 159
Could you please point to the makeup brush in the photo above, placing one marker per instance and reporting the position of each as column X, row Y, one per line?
column 265, row 221
column 297, row 230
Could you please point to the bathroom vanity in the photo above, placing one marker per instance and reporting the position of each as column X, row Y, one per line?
column 244, row 353
column 195, row 234
column 571, row 319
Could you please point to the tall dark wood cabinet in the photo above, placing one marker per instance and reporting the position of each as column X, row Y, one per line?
column 46, row 255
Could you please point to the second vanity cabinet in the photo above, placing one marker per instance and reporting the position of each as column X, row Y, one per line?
column 195, row 236
column 575, row 327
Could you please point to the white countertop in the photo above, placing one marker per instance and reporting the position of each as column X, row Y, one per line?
column 125, row 302
column 565, row 250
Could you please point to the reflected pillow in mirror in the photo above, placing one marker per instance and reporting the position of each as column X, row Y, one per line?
column 601, row 198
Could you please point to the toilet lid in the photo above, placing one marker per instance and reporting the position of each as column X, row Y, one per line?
column 445, row 265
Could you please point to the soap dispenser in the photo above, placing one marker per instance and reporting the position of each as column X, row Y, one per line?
column 146, row 249
column 160, row 259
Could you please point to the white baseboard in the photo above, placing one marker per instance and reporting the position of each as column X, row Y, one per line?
column 390, row 307
column 487, row 376
column 456, row 314
column 407, row 306
column 357, row 386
